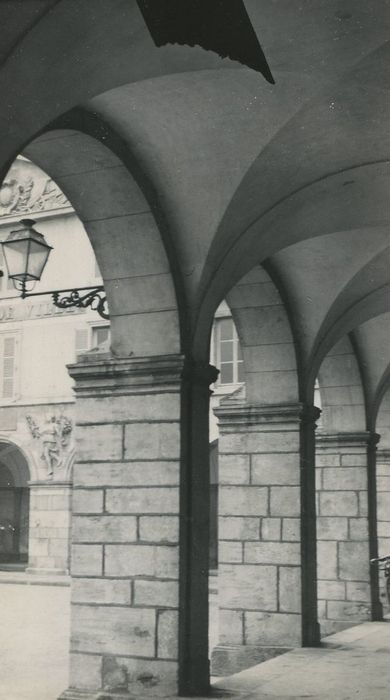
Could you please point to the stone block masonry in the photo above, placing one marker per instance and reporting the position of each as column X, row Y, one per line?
column 383, row 496
column 259, row 534
column 344, row 596
column 125, row 530
column 49, row 527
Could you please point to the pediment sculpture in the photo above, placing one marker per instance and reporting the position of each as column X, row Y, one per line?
column 26, row 195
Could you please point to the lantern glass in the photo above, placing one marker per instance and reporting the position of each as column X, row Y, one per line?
column 26, row 253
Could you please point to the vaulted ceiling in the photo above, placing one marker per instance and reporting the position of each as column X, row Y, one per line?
column 239, row 171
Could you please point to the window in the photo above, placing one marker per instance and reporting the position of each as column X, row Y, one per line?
column 2, row 269
column 8, row 349
column 81, row 340
column 97, row 272
column 100, row 334
column 5, row 283
column 90, row 337
column 227, row 352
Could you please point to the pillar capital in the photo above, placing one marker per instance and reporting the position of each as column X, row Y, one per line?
column 199, row 372
column 108, row 376
column 309, row 414
column 235, row 412
column 347, row 440
column 383, row 456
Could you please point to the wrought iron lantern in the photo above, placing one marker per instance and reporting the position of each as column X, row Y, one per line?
column 26, row 254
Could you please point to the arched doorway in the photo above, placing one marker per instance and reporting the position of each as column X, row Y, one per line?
column 14, row 507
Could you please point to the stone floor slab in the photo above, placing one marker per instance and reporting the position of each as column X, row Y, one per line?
column 34, row 637
column 352, row 665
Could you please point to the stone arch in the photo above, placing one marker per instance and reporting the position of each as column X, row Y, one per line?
column 381, row 422
column 342, row 390
column 141, row 277
column 332, row 189
column 267, row 340
column 383, row 482
column 262, row 456
column 15, row 459
column 14, row 504
column 363, row 298
column 343, row 486
column 379, row 408
column 124, row 235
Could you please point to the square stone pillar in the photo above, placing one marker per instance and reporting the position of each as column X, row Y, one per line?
column 259, row 574
column 49, row 527
column 344, row 530
column 125, row 527
column 383, row 512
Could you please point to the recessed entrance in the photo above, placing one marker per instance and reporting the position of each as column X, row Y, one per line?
column 14, row 507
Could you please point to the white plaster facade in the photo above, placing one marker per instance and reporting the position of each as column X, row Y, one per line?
column 37, row 342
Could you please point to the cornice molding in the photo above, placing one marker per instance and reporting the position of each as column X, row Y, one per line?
column 107, row 375
column 344, row 439
column 383, row 456
column 234, row 411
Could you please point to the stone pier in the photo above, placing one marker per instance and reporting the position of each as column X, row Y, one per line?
column 259, row 534
column 383, row 512
column 343, row 554
column 49, row 527
column 125, row 530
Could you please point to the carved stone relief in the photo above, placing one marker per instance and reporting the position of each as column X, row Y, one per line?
column 26, row 194
column 54, row 440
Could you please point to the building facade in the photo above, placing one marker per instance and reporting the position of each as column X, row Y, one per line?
column 197, row 181
column 37, row 341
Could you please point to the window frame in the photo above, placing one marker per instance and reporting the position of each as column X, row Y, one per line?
column 216, row 343
column 16, row 335
column 89, row 328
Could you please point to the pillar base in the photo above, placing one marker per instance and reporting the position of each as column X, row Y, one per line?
column 41, row 571
column 226, row 660
column 329, row 627
column 312, row 635
column 74, row 694
column 377, row 611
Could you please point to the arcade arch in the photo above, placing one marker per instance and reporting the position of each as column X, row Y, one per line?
column 256, row 171
column 14, row 506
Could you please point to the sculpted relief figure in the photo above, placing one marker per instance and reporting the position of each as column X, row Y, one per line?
column 54, row 439
column 26, row 195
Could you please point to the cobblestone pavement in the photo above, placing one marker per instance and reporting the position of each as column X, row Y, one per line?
column 34, row 641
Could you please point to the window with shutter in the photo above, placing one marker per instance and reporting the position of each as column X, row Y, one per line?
column 81, row 341
column 2, row 268
column 8, row 346
column 227, row 352
column 5, row 282
column 100, row 334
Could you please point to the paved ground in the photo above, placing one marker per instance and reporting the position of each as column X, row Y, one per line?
column 354, row 666
column 34, row 639
column 34, row 634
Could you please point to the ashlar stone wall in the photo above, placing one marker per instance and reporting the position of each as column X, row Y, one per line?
column 259, row 534
column 343, row 555
column 125, row 529
column 383, row 512
column 49, row 527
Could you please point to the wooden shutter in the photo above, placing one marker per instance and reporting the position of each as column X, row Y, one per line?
column 2, row 268
column 81, row 340
column 8, row 357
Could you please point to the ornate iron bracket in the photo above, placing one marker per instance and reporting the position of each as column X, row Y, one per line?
column 94, row 297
